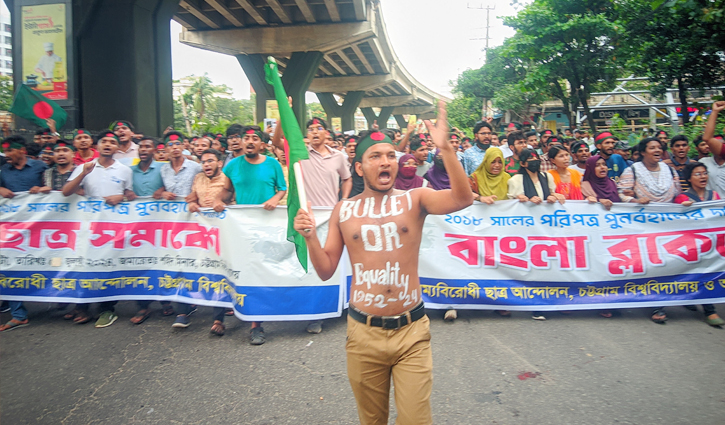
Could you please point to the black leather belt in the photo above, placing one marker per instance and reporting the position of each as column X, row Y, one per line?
column 388, row 322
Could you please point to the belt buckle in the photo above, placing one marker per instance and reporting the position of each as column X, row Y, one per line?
column 392, row 318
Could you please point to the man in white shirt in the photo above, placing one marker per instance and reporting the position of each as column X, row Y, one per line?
column 109, row 179
column 178, row 174
column 105, row 178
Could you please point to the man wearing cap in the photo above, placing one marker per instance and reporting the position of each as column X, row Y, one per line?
column 83, row 142
column 473, row 156
column 605, row 141
column 56, row 177
column 127, row 152
column 178, row 174
column 388, row 333
column 105, row 178
column 580, row 153
column 622, row 149
column 46, row 64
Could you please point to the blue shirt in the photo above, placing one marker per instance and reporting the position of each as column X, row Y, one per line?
column 24, row 179
column 616, row 165
column 255, row 184
column 472, row 158
column 145, row 183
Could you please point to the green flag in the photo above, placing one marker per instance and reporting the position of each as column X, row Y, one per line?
column 297, row 151
column 37, row 108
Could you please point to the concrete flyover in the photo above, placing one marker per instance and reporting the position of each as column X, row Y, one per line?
column 338, row 49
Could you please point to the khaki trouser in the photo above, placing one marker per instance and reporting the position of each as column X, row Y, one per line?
column 373, row 354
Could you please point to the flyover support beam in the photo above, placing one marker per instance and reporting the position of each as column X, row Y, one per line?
column 125, row 49
column 346, row 111
column 382, row 118
column 298, row 75
column 253, row 66
column 402, row 122
column 300, row 71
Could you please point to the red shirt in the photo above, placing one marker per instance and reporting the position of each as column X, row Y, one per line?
column 77, row 160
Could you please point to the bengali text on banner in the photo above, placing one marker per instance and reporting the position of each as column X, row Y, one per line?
column 505, row 256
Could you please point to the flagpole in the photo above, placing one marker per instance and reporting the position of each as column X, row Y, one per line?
column 301, row 189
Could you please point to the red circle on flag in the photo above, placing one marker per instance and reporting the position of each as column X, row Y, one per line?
column 43, row 110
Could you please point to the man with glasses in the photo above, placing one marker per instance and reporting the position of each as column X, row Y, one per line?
column 327, row 176
column 473, row 156
column 178, row 174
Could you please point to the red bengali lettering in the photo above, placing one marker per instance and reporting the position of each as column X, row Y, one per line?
column 39, row 234
column 162, row 234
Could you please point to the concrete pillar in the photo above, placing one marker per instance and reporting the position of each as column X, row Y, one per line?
column 381, row 118
column 346, row 111
column 124, row 64
column 253, row 66
column 298, row 75
column 402, row 122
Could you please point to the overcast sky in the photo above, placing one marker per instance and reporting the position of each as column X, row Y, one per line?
column 432, row 38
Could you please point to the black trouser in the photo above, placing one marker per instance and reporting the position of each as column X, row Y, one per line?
column 708, row 309
column 144, row 304
column 104, row 306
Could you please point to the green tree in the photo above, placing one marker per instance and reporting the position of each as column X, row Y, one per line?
column 463, row 113
column 568, row 46
column 6, row 92
column 315, row 109
column 678, row 46
column 484, row 83
column 202, row 92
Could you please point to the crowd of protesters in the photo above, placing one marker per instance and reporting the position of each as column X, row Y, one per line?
column 247, row 166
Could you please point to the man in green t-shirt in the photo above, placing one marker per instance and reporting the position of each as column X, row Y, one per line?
column 253, row 179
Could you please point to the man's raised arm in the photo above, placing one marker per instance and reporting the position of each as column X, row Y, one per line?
column 715, row 145
column 458, row 196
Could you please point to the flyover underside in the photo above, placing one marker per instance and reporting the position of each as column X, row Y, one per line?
column 357, row 66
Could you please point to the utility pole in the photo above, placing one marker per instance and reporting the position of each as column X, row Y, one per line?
column 488, row 10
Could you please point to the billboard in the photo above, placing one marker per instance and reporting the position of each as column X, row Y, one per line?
column 44, row 51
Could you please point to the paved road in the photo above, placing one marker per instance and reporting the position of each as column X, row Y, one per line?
column 578, row 369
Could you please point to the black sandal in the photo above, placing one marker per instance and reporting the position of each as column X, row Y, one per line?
column 141, row 317
column 659, row 317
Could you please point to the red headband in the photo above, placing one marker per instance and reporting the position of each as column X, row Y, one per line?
column 603, row 136
column 377, row 136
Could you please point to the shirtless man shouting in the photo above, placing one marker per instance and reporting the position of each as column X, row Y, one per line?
column 387, row 329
